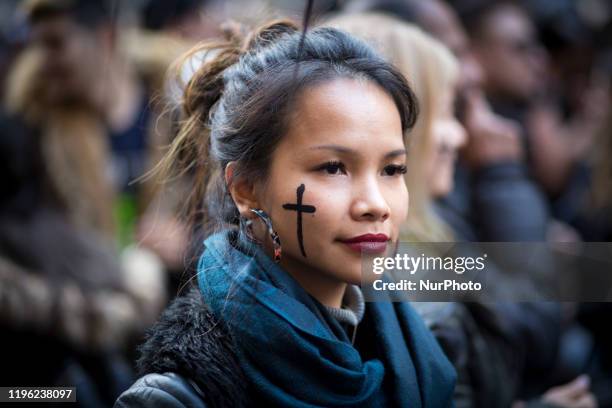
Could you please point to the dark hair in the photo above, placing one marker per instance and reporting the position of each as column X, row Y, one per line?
column 235, row 106
column 158, row 14
column 88, row 13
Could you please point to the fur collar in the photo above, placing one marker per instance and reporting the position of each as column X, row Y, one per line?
column 187, row 341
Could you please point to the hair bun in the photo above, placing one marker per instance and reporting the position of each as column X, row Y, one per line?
column 206, row 85
column 269, row 33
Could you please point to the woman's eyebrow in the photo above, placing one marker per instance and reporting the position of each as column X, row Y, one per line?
column 346, row 150
column 395, row 153
column 335, row 148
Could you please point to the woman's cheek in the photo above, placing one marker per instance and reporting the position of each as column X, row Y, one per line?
column 316, row 222
column 329, row 213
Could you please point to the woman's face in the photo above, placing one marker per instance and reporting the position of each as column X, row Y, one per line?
column 448, row 135
column 342, row 160
column 74, row 59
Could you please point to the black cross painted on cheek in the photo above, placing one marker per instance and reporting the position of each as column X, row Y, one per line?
column 300, row 208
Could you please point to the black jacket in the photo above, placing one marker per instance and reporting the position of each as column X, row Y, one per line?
column 498, row 203
column 187, row 360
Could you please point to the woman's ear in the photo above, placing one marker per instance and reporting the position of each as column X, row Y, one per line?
column 242, row 193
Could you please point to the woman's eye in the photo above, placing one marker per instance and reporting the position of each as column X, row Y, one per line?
column 333, row 168
column 394, row 169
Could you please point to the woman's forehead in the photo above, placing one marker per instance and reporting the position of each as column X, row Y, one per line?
column 345, row 112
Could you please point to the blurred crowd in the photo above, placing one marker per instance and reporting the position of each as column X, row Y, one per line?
column 91, row 244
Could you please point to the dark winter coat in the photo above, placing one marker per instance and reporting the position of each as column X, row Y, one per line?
column 187, row 361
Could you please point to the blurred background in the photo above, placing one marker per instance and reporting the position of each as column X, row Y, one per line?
column 92, row 250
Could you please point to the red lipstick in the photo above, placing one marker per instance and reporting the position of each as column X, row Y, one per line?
column 368, row 243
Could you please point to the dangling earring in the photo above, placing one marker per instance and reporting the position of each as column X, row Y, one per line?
column 273, row 235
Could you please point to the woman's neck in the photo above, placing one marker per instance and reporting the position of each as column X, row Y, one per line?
column 327, row 290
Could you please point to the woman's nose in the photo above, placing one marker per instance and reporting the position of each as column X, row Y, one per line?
column 369, row 204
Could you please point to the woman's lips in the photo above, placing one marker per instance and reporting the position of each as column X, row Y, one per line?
column 368, row 243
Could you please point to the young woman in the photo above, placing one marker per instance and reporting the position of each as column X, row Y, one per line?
column 297, row 150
